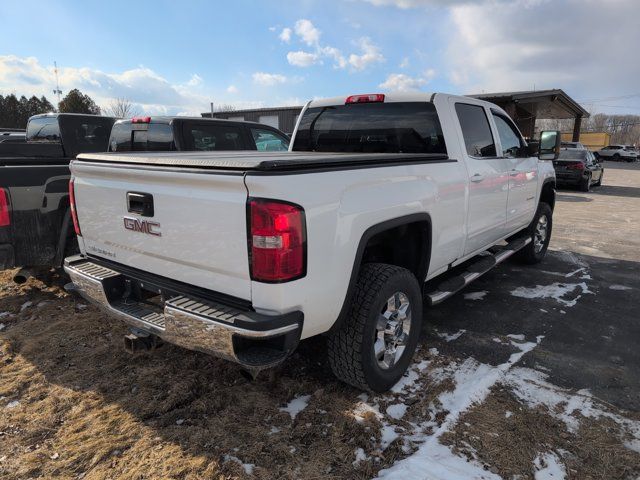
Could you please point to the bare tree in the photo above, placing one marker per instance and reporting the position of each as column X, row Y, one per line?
column 121, row 108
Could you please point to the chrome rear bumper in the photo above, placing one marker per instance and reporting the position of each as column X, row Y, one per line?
column 251, row 339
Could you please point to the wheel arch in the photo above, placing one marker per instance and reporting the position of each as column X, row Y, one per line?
column 418, row 229
column 548, row 192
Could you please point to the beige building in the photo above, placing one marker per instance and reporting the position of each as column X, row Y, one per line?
column 592, row 140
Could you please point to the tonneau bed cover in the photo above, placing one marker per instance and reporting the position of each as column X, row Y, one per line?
column 243, row 160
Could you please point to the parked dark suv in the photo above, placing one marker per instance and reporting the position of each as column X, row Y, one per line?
column 193, row 134
column 578, row 168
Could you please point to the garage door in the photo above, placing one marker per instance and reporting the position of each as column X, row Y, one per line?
column 271, row 120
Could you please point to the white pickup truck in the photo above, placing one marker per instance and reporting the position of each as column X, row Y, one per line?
column 382, row 204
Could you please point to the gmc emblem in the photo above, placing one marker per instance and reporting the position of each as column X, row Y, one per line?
column 142, row 226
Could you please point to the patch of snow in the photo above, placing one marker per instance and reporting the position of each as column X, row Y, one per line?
column 435, row 461
column 25, row 305
column 248, row 467
column 43, row 304
column 295, row 406
column 397, row 410
column 475, row 295
column 450, row 337
column 180, row 421
column 274, row 430
column 2, row 326
column 496, row 339
column 360, row 457
column 13, row 404
column 533, row 389
column 555, row 291
column 543, row 310
column 433, row 352
column 519, row 337
column 388, row 435
column 507, row 414
column 582, row 269
column 549, row 467
column 406, row 382
column 619, row 287
column 5, row 314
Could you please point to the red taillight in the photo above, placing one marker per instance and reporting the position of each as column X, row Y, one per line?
column 141, row 120
column 72, row 205
column 277, row 244
column 5, row 221
column 368, row 98
column 576, row 166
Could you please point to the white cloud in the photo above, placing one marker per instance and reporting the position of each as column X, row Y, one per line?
column 370, row 55
column 532, row 42
column 149, row 91
column 302, row 59
column 285, row 35
column 195, row 80
column 338, row 59
column 268, row 79
column 307, row 32
column 399, row 82
column 405, row 62
column 232, row 89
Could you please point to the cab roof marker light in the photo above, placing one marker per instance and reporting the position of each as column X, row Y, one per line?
column 366, row 98
column 141, row 120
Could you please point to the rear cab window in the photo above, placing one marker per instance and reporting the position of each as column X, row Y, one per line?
column 127, row 137
column 210, row 137
column 394, row 127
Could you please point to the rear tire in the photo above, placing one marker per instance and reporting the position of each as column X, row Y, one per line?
column 374, row 345
column 616, row 157
column 585, row 185
column 540, row 231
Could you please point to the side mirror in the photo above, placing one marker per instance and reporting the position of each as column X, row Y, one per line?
column 549, row 145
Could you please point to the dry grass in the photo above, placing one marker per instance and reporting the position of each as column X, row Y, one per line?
column 89, row 410
column 509, row 445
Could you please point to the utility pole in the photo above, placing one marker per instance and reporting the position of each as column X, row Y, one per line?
column 57, row 90
column 211, row 109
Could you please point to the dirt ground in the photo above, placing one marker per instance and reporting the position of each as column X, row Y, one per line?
column 530, row 371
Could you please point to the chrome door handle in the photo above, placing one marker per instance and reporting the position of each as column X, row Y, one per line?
column 477, row 178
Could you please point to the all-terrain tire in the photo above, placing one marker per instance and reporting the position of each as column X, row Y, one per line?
column 530, row 255
column 351, row 346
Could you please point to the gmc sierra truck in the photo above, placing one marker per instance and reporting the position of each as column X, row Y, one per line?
column 34, row 197
column 383, row 203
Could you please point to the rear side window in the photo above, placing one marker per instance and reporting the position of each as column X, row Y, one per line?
column 212, row 137
column 43, row 129
column 269, row 141
column 399, row 127
column 476, row 130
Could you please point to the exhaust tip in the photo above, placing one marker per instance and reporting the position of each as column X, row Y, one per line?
column 22, row 276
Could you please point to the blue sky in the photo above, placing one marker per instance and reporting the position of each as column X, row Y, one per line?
column 176, row 57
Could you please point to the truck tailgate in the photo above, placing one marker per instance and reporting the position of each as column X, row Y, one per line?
column 196, row 233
